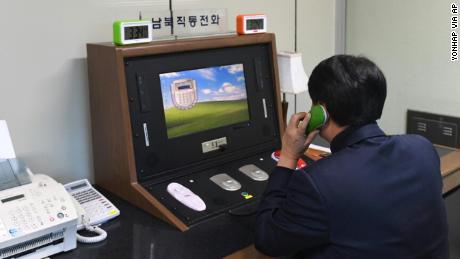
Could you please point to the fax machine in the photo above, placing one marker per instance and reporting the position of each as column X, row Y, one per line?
column 37, row 215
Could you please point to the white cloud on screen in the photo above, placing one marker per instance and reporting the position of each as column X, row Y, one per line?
column 206, row 91
column 229, row 88
column 171, row 75
column 207, row 73
column 229, row 92
column 233, row 69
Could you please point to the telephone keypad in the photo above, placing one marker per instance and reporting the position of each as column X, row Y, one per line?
column 96, row 206
column 86, row 196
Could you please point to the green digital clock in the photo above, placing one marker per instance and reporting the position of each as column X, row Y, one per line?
column 131, row 32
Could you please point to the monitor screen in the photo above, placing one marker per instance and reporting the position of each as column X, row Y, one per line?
column 202, row 99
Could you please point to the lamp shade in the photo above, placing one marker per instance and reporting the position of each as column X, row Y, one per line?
column 292, row 75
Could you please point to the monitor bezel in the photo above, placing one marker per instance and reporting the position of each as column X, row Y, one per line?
column 252, row 137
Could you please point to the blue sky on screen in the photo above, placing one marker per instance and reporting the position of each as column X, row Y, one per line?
column 221, row 83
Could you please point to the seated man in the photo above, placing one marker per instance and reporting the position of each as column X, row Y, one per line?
column 375, row 196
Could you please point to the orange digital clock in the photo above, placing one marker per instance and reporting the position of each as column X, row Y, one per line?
column 251, row 23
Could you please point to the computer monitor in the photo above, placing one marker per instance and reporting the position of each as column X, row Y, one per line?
column 198, row 108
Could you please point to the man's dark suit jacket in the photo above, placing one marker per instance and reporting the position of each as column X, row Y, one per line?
column 376, row 196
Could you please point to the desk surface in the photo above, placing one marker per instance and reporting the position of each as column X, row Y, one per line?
column 450, row 167
column 137, row 234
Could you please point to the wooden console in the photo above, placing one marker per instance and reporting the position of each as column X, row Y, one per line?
column 112, row 136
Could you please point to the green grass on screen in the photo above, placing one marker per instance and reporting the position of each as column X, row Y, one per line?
column 205, row 115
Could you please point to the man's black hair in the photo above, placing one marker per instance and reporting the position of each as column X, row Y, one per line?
column 352, row 88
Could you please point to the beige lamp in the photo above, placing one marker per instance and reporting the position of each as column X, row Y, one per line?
column 293, row 79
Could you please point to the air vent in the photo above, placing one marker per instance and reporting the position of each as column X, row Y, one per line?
column 448, row 131
column 439, row 129
column 421, row 126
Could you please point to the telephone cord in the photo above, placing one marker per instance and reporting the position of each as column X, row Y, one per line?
column 102, row 235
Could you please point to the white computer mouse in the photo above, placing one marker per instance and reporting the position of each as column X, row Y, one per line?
column 185, row 196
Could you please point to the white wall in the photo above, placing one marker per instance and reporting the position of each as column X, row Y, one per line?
column 44, row 88
column 410, row 41
column 316, row 40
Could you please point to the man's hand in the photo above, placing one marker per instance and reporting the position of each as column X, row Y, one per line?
column 295, row 141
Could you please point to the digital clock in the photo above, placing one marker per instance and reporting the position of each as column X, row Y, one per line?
column 130, row 32
column 251, row 23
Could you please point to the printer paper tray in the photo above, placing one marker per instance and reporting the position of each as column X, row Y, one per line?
column 30, row 246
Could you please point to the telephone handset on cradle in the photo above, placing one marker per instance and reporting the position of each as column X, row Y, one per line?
column 93, row 209
column 318, row 117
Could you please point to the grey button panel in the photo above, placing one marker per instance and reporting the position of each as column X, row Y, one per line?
column 226, row 182
column 254, row 172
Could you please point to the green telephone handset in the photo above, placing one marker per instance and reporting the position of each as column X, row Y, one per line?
column 318, row 117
